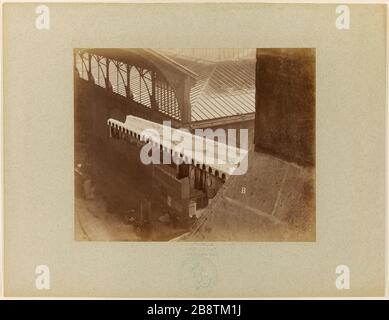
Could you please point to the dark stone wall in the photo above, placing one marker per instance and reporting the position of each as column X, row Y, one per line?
column 285, row 104
column 93, row 106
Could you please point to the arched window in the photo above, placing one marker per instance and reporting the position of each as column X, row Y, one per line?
column 141, row 85
column 146, row 86
column 82, row 65
column 98, row 70
column 118, row 77
column 166, row 99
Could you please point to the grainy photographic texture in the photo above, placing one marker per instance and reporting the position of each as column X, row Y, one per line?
column 249, row 174
column 312, row 94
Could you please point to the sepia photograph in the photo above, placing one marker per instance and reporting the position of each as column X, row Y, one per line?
column 192, row 150
column 202, row 144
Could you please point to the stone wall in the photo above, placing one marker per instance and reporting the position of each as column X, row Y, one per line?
column 285, row 104
column 275, row 199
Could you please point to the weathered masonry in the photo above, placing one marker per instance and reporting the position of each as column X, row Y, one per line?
column 279, row 202
column 285, row 115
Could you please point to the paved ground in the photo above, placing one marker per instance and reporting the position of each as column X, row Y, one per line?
column 93, row 222
column 115, row 194
column 278, row 204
